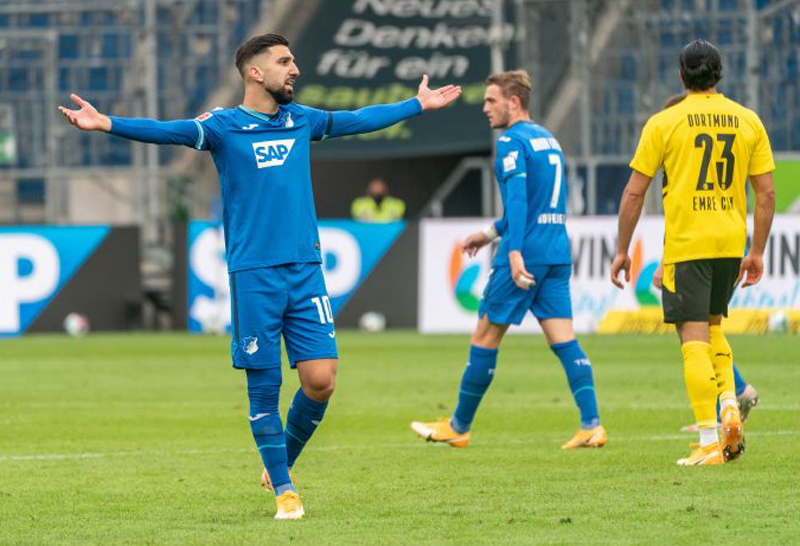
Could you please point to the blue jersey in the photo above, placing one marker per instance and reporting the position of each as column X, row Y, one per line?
column 265, row 171
column 530, row 171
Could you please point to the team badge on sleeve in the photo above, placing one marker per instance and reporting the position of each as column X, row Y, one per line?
column 203, row 117
column 510, row 161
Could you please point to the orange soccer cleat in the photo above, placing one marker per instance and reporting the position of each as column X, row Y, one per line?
column 704, row 456
column 289, row 506
column 594, row 437
column 732, row 433
column 441, row 431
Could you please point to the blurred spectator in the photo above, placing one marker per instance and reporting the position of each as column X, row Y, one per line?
column 377, row 205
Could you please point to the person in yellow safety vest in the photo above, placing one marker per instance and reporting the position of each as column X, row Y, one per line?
column 378, row 205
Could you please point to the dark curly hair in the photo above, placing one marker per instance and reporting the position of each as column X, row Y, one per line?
column 701, row 65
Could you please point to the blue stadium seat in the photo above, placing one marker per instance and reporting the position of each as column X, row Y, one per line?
column 98, row 78
column 205, row 13
column 30, row 191
column 725, row 35
column 17, row 79
column 109, row 49
column 165, row 45
column 39, row 20
column 23, row 55
column 779, row 140
column 628, row 67
column 64, row 83
column 792, row 66
column 119, row 152
column 777, row 31
column 626, row 102
column 794, row 142
column 68, row 46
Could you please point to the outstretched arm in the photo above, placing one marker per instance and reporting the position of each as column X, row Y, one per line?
column 87, row 118
column 380, row 116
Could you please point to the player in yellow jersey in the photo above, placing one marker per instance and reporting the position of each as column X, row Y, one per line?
column 746, row 395
column 708, row 146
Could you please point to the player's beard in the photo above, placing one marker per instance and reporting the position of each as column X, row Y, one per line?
column 282, row 95
column 501, row 121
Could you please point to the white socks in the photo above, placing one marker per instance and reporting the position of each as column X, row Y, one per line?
column 708, row 436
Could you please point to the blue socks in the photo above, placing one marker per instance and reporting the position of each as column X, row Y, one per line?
column 476, row 379
column 581, row 383
column 304, row 416
column 480, row 371
column 741, row 384
column 263, row 389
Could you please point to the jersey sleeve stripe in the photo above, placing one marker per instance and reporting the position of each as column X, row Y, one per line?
column 201, row 136
column 328, row 125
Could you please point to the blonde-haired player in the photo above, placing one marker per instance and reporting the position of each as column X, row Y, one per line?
column 531, row 270
column 709, row 146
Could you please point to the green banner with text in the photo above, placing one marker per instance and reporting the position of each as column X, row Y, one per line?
column 362, row 52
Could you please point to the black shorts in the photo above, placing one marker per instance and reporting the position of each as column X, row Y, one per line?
column 697, row 289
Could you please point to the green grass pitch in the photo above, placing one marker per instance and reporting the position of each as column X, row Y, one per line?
column 143, row 439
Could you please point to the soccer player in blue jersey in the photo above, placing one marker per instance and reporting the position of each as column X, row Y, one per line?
column 531, row 270
column 261, row 151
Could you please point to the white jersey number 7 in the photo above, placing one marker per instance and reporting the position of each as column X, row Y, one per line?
column 555, row 159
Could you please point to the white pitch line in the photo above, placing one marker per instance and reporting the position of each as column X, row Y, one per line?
column 100, row 455
column 692, row 435
column 649, row 407
column 341, row 447
column 155, row 405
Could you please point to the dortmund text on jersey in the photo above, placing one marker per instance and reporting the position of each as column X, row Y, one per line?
column 708, row 145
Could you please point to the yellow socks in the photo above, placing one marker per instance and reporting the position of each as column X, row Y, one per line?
column 701, row 382
column 722, row 360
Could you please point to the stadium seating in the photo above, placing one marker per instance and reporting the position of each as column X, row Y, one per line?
column 95, row 49
column 92, row 48
column 622, row 88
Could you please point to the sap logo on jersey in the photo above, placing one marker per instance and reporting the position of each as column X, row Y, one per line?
column 272, row 153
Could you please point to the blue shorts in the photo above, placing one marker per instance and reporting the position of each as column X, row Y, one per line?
column 506, row 303
column 286, row 299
